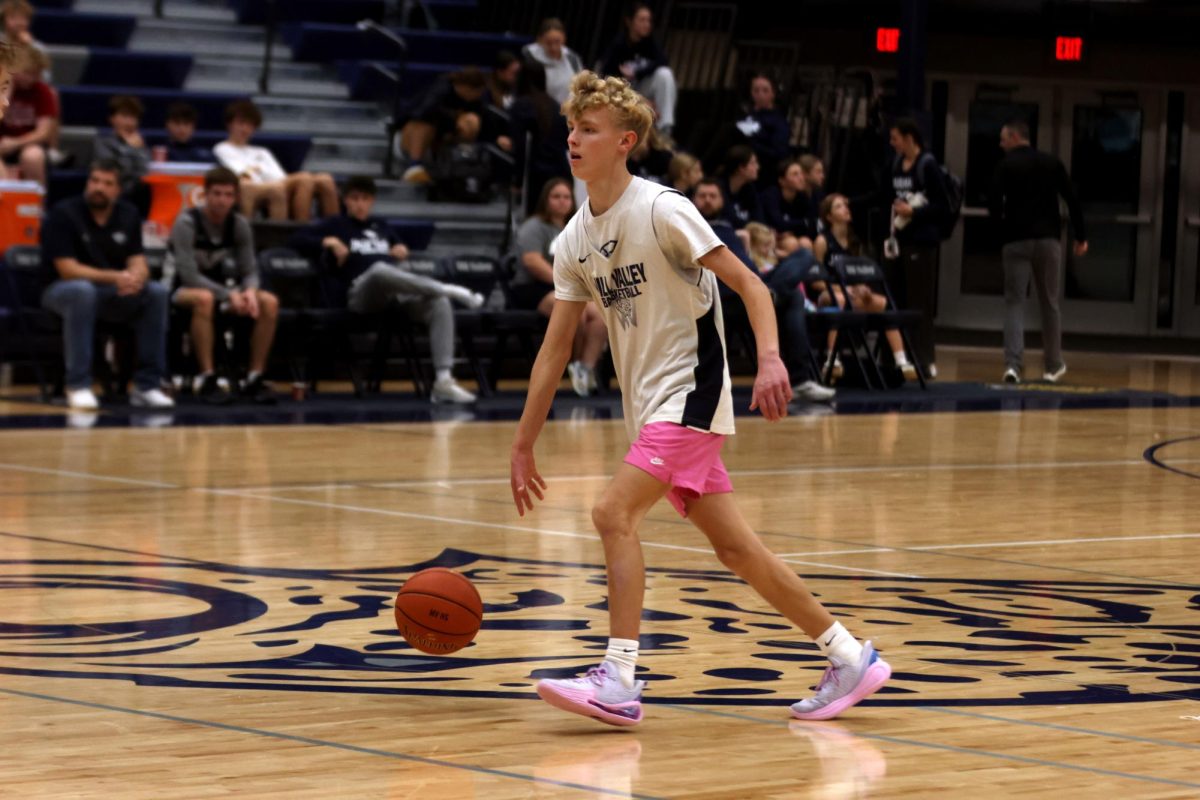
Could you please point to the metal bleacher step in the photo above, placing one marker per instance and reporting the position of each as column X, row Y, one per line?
column 198, row 10
column 201, row 38
column 236, row 75
column 322, row 117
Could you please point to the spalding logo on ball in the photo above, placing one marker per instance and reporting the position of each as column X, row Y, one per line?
column 438, row 611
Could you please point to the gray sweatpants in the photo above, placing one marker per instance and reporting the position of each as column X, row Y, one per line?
column 422, row 299
column 1040, row 259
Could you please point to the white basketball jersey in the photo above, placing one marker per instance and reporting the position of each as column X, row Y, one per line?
column 638, row 262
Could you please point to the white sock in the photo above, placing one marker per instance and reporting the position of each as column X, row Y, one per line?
column 839, row 646
column 900, row 357
column 623, row 653
column 252, row 375
column 442, row 375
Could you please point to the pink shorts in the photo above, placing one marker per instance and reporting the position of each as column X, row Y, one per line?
column 688, row 460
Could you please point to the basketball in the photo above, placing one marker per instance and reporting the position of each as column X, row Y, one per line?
column 438, row 611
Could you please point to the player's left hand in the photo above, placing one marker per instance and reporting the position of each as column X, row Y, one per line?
column 772, row 390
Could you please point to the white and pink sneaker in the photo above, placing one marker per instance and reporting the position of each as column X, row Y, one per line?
column 598, row 694
column 843, row 686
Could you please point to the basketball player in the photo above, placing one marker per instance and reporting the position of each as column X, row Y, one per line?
column 650, row 262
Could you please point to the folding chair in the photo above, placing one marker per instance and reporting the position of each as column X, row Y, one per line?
column 855, row 324
column 36, row 331
column 479, row 274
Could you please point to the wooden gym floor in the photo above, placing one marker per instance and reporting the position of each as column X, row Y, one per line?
column 206, row 611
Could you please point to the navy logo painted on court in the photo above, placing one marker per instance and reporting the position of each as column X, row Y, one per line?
column 950, row 642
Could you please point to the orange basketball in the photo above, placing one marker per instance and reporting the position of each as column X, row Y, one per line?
column 438, row 611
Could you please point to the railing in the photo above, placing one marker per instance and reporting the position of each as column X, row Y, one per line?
column 264, row 76
column 397, row 77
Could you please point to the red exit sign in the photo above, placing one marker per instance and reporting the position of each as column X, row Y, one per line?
column 887, row 40
column 1068, row 48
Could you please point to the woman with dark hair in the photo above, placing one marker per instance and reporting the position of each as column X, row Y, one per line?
column 764, row 126
column 502, row 80
column 532, row 285
column 787, row 209
column 738, row 174
column 539, row 135
column 635, row 56
column 839, row 239
column 551, row 51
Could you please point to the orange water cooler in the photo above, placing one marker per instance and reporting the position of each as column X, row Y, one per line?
column 174, row 187
column 20, row 213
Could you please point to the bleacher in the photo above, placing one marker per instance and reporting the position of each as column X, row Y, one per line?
column 330, row 89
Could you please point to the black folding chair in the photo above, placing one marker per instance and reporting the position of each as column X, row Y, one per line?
column 36, row 333
column 855, row 324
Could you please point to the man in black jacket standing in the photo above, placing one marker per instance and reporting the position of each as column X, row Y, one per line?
column 1024, row 199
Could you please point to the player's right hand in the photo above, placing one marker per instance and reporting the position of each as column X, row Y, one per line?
column 524, row 478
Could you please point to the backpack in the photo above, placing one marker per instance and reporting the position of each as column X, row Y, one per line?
column 955, row 192
column 461, row 173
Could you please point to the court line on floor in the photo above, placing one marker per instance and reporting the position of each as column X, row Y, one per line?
column 1066, row 728
column 353, row 748
column 506, row 527
column 748, row 473
column 577, row 535
column 955, row 748
column 986, row 545
column 88, row 475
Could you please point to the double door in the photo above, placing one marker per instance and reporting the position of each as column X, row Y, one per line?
column 1111, row 140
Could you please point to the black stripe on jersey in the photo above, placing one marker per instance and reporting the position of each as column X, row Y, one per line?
column 709, row 374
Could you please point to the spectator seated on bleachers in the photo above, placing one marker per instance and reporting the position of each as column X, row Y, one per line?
column 764, row 127
column 551, row 51
column 684, row 172
column 31, row 118
column 95, row 269
column 17, row 16
column 264, row 181
column 363, row 269
column 635, row 56
column 814, row 182
column 788, row 298
column 181, row 127
column 651, row 157
column 127, row 148
column 502, row 80
column 738, row 174
column 450, row 112
column 532, row 284
column 534, row 114
column 210, row 248
column 786, row 208
column 837, row 239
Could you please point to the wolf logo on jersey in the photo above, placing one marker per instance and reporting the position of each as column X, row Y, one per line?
column 627, row 313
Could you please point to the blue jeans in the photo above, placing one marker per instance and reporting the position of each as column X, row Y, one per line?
column 81, row 303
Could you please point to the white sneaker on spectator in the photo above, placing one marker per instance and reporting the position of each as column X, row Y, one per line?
column 465, row 296
column 838, row 369
column 907, row 370
column 150, row 398
column 1052, row 376
column 813, row 392
column 582, row 379
column 1011, row 375
column 82, row 399
column 448, row 391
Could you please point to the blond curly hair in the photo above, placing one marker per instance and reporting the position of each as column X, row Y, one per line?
column 631, row 111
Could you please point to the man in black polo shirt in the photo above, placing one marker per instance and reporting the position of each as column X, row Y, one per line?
column 1024, row 199
column 92, row 259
